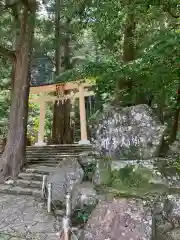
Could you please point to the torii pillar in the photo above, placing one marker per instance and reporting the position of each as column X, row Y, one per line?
column 41, row 125
column 82, row 111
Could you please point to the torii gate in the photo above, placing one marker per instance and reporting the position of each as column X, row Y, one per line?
column 82, row 90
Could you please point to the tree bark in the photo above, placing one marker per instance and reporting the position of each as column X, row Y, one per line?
column 61, row 128
column 13, row 157
column 128, row 55
column 176, row 118
column 62, row 133
column 57, row 39
column 128, row 44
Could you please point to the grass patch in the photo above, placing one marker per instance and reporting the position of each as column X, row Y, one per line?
column 133, row 181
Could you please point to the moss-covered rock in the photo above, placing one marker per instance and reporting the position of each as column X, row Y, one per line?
column 133, row 181
column 102, row 173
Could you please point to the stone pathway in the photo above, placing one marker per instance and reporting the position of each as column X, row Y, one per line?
column 23, row 214
column 24, row 217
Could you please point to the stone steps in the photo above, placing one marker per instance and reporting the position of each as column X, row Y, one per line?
column 27, row 183
column 17, row 190
column 54, row 165
column 41, row 160
column 58, row 150
column 45, row 152
column 45, row 157
column 36, row 170
column 62, row 146
column 30, row 176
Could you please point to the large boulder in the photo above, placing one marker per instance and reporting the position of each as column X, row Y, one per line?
column 120, row 219
column 168, row 218
column 129, row 133
column 68, row 174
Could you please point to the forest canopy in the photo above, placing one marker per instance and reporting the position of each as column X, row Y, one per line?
column 130, row 48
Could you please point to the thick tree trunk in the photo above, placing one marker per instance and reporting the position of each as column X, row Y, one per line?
column 128, row 44
column 14, row 154
column 175, row 126
column 128, row 54
column 61, row 128
column 57, row 39
column 62, row 133
column 176, row 118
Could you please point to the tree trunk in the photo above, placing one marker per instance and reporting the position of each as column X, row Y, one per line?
column 165, row 144
column 14, row 154
column 128, row 45
column 128, row 54
column 176, row 118
column 57, row 39
column 61, row 117
column 62, row 132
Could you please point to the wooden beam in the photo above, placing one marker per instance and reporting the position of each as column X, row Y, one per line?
column 52, row 87
column 54, row 98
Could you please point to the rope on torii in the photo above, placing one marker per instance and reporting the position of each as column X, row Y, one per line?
column 60, row 93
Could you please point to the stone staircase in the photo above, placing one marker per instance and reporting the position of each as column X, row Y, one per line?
column 51, row 155
column 40, row 161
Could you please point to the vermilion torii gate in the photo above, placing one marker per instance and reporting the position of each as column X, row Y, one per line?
column 70, row 90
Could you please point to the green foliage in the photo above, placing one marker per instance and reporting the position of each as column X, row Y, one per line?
column 89, row 171
column 81, row 215
column 157, row 71
column 130, row 177
column 4, row 112
column 133, row 181
column 96, row 33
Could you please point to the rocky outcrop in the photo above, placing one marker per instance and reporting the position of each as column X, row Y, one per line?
column 68, row 174
column 167, row 218
column 120, row 219
column 130, row 133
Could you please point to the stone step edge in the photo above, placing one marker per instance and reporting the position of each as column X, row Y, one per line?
column 64, row 145
column 53, row 153
column 48, row 159
column 41, row 156
column 30, row 176
column 25, row 182
column 52, row 165
column 16, row 190
column 36, row 171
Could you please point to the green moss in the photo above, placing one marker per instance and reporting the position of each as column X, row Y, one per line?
column 129, row 192
column 103, row 172
column 130, row 176
column 132, row 181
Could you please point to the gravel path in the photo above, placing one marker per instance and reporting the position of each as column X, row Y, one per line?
column 24, row 217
